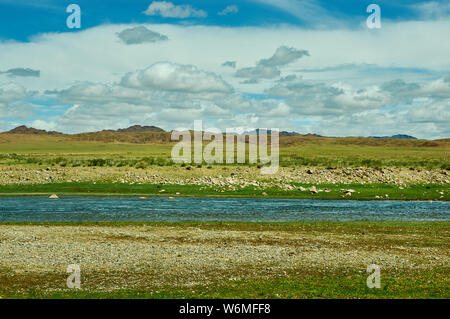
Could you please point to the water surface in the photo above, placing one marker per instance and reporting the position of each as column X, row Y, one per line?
column 131, row 209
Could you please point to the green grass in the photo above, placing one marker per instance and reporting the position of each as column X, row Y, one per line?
column 321, row 152
column 342, row 284
column 365, row 156
column 362, row 192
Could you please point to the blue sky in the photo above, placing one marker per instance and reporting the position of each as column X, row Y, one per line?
column 304, row 65
column 20, row 19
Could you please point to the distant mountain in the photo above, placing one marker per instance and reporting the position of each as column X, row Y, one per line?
column 313, row 135
column 31, row 130
column 138, row 128
column 285, row 133
column 398, row 136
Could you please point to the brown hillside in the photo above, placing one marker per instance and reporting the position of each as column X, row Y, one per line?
column 24, row 134
column 123, row 137
column 138, row 128
column 30, row 130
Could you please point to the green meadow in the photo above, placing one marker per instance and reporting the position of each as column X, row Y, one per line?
column 300, row 151
column 362, row 192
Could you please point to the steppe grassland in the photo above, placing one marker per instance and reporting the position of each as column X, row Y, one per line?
column 300, row 151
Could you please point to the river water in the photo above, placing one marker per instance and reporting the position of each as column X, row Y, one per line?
column 135, row 209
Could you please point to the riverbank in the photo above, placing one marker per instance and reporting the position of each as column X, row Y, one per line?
column 226, row 260
column 228, row 177
column 229, row 181
column 439, row 192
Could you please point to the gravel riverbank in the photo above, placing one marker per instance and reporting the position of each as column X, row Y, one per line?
column 229, row 177
column 152, row 256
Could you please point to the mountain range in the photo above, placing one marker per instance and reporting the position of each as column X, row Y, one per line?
column 139, row 128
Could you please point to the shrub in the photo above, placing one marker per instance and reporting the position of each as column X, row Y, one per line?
column 141, row 165
column 97, row 162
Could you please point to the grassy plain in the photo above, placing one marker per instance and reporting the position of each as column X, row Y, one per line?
column 151, row 152
column 309, row 151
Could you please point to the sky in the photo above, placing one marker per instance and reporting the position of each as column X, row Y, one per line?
column 310, row 66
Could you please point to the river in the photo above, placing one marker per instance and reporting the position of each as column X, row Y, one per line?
column 135, row 209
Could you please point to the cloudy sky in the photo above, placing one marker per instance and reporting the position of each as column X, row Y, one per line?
column 311, row 66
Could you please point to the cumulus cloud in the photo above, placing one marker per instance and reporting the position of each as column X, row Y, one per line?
column 428, row 120
column 406, row 92
column 438, row 89
column 24, row 72
column 268, row 68
column 16, row 110
column 250, row 81
column 338, row 102
column 169, row 10
column 175, row 77
column 43, row 125
column 228, row 10
column 431, row 112
column 231, row 64
column 308, row 98
column 11, row 92
column 13, row 102
column 258, row 72
column 288, row 78
column 323, row 99
column 283, row 55
column 330, row 100
column 141, row 34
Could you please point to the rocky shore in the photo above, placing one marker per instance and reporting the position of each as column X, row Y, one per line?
column 227, row 177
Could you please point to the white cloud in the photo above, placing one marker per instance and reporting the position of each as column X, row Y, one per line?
column 43, row 125
column 22, row 72
column 432, row 9
column 268, row 68
column 169, row 10
column 175, row 77
column 208, row 47
column 10, row 92
column 258, row 72
column 284, row 55
column 288, row 78
column 231, row 64
column 439, row 88
column 141, row 34
column 16, row 110
column 419, row 120
column 228, row 10
column 348, row 96
column 431, row 112
column 406, row 92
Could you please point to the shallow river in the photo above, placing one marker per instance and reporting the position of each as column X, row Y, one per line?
column 77, row 209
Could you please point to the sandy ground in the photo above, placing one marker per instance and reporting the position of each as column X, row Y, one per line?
column 133, row 256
